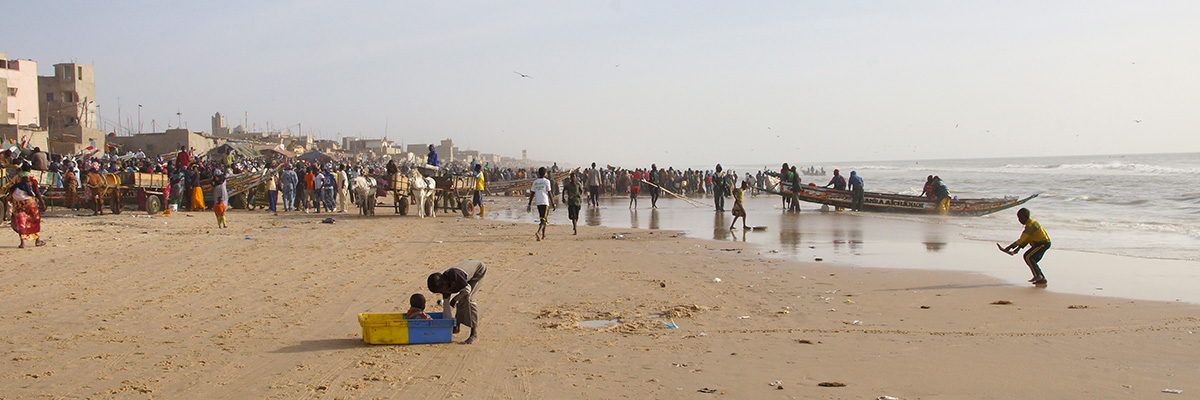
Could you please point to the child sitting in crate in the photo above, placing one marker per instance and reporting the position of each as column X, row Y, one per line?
column 416, row 309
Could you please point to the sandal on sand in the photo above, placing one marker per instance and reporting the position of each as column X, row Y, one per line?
column 39, row 243
column 1040, row 281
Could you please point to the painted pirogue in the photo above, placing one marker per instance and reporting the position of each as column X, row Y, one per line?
column 899, row 203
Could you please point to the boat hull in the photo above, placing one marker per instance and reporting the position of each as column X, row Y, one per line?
column 898, row 203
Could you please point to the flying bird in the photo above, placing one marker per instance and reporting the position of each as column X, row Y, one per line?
column 522, row 75
column 1137, row 121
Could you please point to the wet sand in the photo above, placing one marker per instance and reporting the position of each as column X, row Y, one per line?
column 132, row 307
column 894, row 241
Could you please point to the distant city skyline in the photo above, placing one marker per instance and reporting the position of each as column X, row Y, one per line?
column 634, row 83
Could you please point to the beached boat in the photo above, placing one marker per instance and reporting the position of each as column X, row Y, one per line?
column 899, row 203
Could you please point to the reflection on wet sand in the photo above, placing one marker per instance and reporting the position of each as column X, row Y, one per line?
column 633, row 219
column 789, row 231
column 935, row 239
column 592, row 216
column 720, row 231
column 654, row 218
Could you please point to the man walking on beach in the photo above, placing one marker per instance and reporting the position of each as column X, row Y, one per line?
column 462, row 282
column 1038, row 242
column 539, row 191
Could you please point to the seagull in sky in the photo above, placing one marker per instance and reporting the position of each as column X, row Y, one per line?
column 1137, row 121
column 522, row 75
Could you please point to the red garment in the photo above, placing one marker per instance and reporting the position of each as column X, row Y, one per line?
column 26, row 217
column 416, row 314
column 183, row 159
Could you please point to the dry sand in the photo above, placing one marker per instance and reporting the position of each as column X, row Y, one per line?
column 132, row 307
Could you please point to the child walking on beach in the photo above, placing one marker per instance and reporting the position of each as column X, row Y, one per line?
column 572, row 195
column 220, row 199
column 1038, row 242
column 539, row 191
column 738, row 209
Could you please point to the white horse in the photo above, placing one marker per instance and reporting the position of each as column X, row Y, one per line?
column 422, row 189
column 364, row 194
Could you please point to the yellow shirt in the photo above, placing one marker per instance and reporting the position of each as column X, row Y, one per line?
column 1033, row 233
column 479, row 181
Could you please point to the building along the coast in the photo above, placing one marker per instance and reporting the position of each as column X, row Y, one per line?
column 68, row 108
column 19, row 92
column 160, row 143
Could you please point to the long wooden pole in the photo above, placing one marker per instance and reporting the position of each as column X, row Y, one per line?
column 689, row 201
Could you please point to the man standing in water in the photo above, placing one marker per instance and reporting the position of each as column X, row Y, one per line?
column 652, row 178
column 1038, row 242
column 719, row 185
column 856, row 191
column 593, row 184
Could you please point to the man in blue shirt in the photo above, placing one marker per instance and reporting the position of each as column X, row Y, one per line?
column 287, row 185
column 432, row 158
column 856, row 191
column 838, row 182
column 327, row 185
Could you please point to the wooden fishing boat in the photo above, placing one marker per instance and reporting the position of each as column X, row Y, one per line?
column 899, row 203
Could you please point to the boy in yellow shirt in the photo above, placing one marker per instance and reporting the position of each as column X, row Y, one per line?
column 477, row 197
column 1038, row 241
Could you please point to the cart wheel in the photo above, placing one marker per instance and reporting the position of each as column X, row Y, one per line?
column 466, row 209
column 402, row 205
column 153, row 205
column 116, row 206
column 429, row 208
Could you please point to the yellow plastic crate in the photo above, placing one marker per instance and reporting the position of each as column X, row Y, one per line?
column 392, row 328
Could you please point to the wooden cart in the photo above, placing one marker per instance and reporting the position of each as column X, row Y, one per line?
column 453, row 193
column 396, row 186
column 149, row 190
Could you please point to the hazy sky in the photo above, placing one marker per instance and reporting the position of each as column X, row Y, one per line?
column 672, row 82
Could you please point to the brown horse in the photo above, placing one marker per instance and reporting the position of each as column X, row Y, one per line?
column 101, row 185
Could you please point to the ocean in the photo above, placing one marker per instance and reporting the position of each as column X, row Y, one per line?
column 1131, row 205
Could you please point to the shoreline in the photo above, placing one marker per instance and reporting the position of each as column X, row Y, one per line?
column 882, row 241
column 179, row 308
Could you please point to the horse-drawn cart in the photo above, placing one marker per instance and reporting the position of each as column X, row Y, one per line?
column 397, row 186
column 453, row 193
column 149, row 189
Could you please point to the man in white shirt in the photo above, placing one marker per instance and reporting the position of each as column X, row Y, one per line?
column 539, row 191
column 593, row 182
column 318, row 184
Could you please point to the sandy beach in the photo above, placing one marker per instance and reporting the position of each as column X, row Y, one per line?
column 129, row 306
